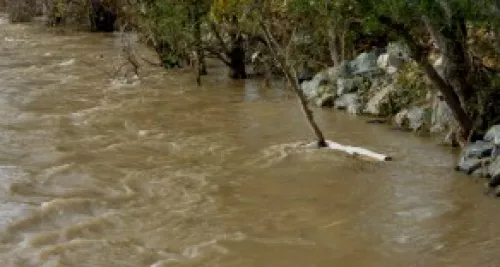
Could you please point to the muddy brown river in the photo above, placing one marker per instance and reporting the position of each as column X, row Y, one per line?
column 98, row 171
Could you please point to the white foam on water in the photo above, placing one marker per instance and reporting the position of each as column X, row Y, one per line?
column 275, row 154
column 125, row 82
column 212, row 246
column 68, row 62
column 4, row 21
column 64, row 203
column 293, row 241
column 55, row 170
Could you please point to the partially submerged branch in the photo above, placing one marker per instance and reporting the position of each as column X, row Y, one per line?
column 355, row 151
column 291, row 76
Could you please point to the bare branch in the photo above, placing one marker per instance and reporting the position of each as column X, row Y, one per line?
column 220, row 55
column 291, row 76
column 219, row 38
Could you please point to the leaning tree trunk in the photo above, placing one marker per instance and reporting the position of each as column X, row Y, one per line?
column 291, row 76
column 496, row 22
column 448, row 85
column 457, row 65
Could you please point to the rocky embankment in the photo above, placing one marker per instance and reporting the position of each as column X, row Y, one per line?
column 389, row 86
column 481, row 159
column 385, row 85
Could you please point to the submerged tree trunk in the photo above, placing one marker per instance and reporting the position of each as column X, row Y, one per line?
column 201, row 68
column 291, row 76
column 236, row 53
column 200, row 57
column 102, row 17
column 237, row 58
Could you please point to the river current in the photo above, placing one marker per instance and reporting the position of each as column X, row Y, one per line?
column 100, row 170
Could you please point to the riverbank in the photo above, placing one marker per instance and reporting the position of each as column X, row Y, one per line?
column 389, row 88
column 385, row 87
column 162, row 172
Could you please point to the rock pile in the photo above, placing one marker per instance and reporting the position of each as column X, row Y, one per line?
column 481, row 159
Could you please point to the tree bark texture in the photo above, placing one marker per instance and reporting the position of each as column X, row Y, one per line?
column 453, row 84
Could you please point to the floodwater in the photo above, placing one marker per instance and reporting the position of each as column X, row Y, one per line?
column 99, row 170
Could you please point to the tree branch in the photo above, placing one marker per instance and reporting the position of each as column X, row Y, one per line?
column 219, row 38
column 291, row 76
column 419, row 55
column 219, row 55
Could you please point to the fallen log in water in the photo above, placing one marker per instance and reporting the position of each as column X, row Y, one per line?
column 280, row 56
column 352, row 150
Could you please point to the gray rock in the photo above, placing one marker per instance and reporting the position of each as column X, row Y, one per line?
column 442, row 122
column 442, row 115
column 365, row 62
column 468, row 165
column 310, row 87
column 374, row 104
column 493, row 133
column 324, row 96
column 473, row 155
column 345, row 86
column 349, row 102
column 315, row 88
column 495, row 153
column 494, row 172
column 354, row 107
column 389, row 63
column 410, row 119
column 479, row 149
column 401, row 119
column 415, row 118
column 336, row 72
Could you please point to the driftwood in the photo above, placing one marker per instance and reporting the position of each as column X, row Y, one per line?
column 291, row 76
column 354, row 151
